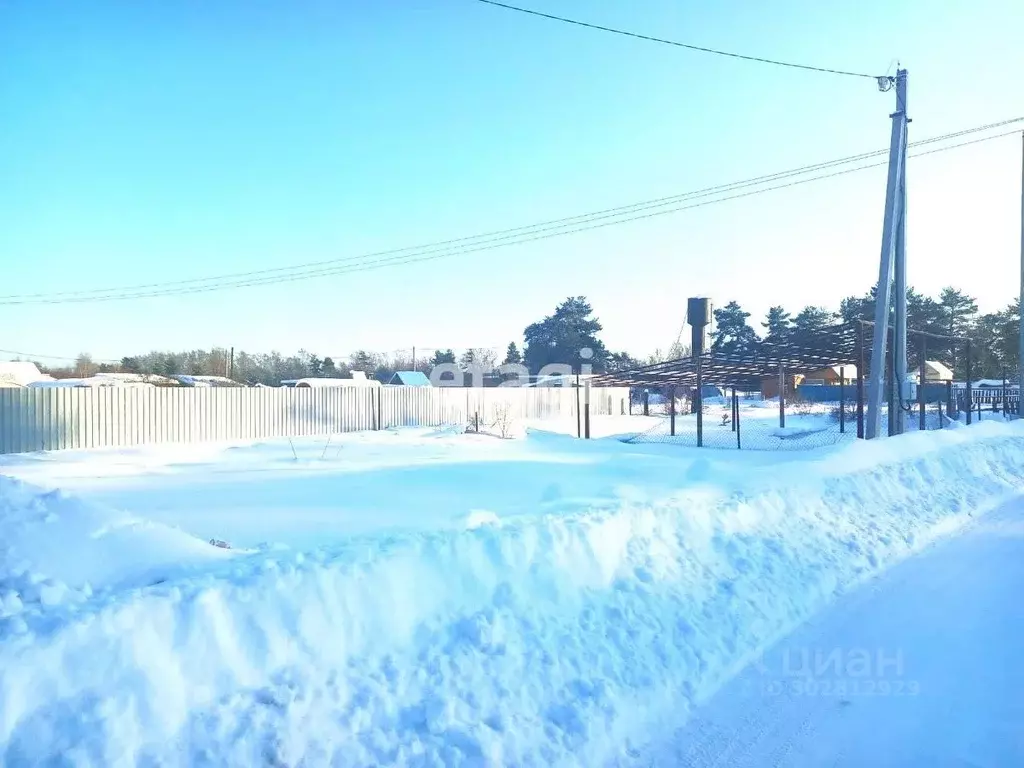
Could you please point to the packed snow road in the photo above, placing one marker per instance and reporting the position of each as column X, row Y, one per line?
column 922, row 667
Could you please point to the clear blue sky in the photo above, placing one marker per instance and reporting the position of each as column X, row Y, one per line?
column 151, row 141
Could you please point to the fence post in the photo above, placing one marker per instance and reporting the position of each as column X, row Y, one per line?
column 968, row 403
column 860, row 379
column 732, row 409
column 647, row 401
column 920, row 384
column 586, row 412
column 672, row 409
column 380, row 407
column 782, row 396
column 842, row 400
column 736, row 411
column 699, row 401
column 949, row 399
column 577, row 405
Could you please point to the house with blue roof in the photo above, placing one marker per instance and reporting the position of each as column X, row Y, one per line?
column 409, row 379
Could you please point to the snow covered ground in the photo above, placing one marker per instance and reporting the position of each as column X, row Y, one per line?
column 808, row 425
column 424, row 597
column 811, row 425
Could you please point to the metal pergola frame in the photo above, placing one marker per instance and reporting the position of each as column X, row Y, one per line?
column 835, row 346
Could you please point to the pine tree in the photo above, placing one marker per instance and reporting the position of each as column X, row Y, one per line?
column 562, row 337
column 810, row 325
column 959, row 316
column 622, row 361
column 778, row 325
column 442, row 356
column 959, row 311
column 512, row 355
column 732, row 335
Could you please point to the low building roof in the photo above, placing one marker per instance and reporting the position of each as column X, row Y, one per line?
column 22, row 373
column 938, row 370
column 410, row 379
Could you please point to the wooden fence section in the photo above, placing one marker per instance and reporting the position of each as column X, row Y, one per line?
column 101, row 417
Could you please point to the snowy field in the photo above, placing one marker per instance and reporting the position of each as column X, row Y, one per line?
column 808, row 425
column 425, row 597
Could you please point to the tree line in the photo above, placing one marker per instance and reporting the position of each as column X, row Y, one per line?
column 993, row 336
column 571, row 336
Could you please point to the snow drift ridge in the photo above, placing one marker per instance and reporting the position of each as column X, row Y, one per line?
column 560, row 639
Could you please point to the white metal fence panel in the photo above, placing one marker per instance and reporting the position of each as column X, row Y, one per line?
column 63, row 418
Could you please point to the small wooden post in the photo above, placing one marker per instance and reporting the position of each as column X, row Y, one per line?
column 860, row 380
column 586, row 410
column 782, row 396
column 736, row 411
column 672, row 410
column 968, row 404
column 578, row 405
column 842, row 400
column 920, row 384
column 699, row 401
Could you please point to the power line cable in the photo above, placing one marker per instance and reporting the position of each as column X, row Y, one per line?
column 676, row 43
column 33, row 356
column 524, row 229
column 471, row 248
column 518, row 236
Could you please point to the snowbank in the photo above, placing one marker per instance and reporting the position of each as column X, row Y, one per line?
column 56, row 546
column 565, row 638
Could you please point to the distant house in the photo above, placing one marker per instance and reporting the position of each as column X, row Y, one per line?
column 829, row 377
column 205, row 381
column 770, row 385
column 409, row 379
column 65, row 384
column 358, row 379
column 937, row 373
column 136, row 379
column 18, row 373
column 822, row 377
column 91, row 382
column 991, row 384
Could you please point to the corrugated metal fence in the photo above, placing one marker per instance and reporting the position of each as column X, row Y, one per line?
column 59, row 418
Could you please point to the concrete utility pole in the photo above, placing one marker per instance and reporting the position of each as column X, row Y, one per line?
column 893, row 234
column 899, row 353
column 1020, row 306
